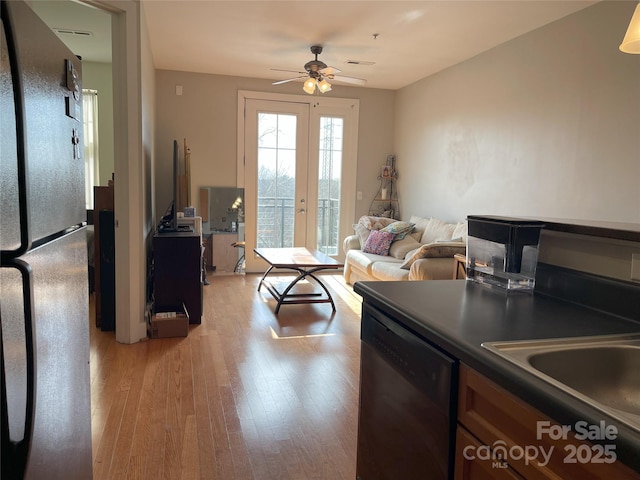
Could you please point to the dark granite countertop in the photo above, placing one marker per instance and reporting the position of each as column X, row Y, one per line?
column 459, row 316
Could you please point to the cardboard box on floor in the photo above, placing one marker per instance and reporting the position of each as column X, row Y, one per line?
column 169, row 322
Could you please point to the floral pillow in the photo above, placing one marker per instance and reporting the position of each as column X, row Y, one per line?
column 368, row 223
column 399, row 229
column 378, row 242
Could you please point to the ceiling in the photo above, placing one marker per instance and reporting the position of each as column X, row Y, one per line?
column 404, row 40
column 89, row 29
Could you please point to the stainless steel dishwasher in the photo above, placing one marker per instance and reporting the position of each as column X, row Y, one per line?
column 408, row 398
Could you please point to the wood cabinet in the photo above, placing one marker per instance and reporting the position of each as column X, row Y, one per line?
column 178, row 272
column 489, row 416
column 468, row 468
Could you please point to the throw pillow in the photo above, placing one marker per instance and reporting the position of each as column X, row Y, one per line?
column 378, row 242
column 399, row 229
column 409, row 258
column 433, row 250
column 362, row 232
column 366, row 223
column 375, row 223
column 437, row 230
column 460, row 231
column 400, row 248
column 420, row 224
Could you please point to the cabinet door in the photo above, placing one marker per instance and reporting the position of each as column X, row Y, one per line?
column 498, row 418
column 470, row 467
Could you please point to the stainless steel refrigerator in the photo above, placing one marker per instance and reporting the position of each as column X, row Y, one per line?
column 46, row 407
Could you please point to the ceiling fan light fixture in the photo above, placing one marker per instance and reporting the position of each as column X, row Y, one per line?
column 631, row 41
column 317, row 74
column 324, row 86
column 309, row 86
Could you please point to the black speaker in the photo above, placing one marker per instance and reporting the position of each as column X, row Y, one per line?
column 107, row 270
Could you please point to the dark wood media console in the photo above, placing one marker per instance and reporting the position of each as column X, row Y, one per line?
column 178, row 272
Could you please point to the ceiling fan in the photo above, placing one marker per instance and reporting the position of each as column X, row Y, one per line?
column 317, row 73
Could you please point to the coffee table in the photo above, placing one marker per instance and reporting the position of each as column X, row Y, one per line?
column 306, row 263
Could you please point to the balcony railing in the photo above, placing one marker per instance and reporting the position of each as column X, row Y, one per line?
column 276, row 218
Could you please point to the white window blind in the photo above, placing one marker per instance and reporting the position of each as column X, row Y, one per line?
column 91, row 157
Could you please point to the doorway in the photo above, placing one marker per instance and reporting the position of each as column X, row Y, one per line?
column 298, row 169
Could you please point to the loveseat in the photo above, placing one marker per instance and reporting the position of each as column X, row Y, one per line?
column 387, row 249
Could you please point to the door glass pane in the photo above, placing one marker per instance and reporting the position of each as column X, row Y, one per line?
column 276, row 179
column 329, row 183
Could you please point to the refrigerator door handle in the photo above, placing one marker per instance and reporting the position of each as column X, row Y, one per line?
column 16, row 451
column 21, row 143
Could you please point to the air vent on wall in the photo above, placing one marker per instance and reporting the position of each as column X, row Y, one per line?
column 359, row 62
column 67, row 31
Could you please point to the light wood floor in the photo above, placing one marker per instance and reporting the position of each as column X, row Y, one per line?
column 247, row 395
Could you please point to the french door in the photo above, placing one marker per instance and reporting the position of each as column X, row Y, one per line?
column 299, row 174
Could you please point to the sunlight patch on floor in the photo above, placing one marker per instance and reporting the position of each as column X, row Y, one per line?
column 275, row 336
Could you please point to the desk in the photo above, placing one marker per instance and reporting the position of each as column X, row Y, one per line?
column 306, row 263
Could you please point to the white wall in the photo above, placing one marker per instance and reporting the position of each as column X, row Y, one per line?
column 545, row 125
column 134, row 89
column 206, row 115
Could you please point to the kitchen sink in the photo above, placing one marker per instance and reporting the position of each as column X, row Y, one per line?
column 603, row 371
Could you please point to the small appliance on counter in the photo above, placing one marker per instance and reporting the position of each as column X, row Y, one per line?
column 503, row 252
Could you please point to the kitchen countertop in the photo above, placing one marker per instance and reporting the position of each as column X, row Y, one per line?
column 458, row 316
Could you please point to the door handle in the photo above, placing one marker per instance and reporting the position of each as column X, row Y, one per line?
column 302, row 210
column 21, row 136
column 18, row 444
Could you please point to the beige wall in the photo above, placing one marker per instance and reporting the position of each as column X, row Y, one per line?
column 206, row 115
column 545, row 125
column 98, row 76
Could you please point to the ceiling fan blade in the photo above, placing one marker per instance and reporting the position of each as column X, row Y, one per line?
column 281, row 70
column 352, row 80
column 289, row 80
column 330, row 71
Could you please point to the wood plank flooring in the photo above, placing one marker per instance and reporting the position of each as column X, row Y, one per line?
column 247, row 395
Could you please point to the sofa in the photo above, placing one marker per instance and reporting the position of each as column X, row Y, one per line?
column 390, row 250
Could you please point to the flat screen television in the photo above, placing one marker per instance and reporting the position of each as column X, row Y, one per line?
column 169, row 222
